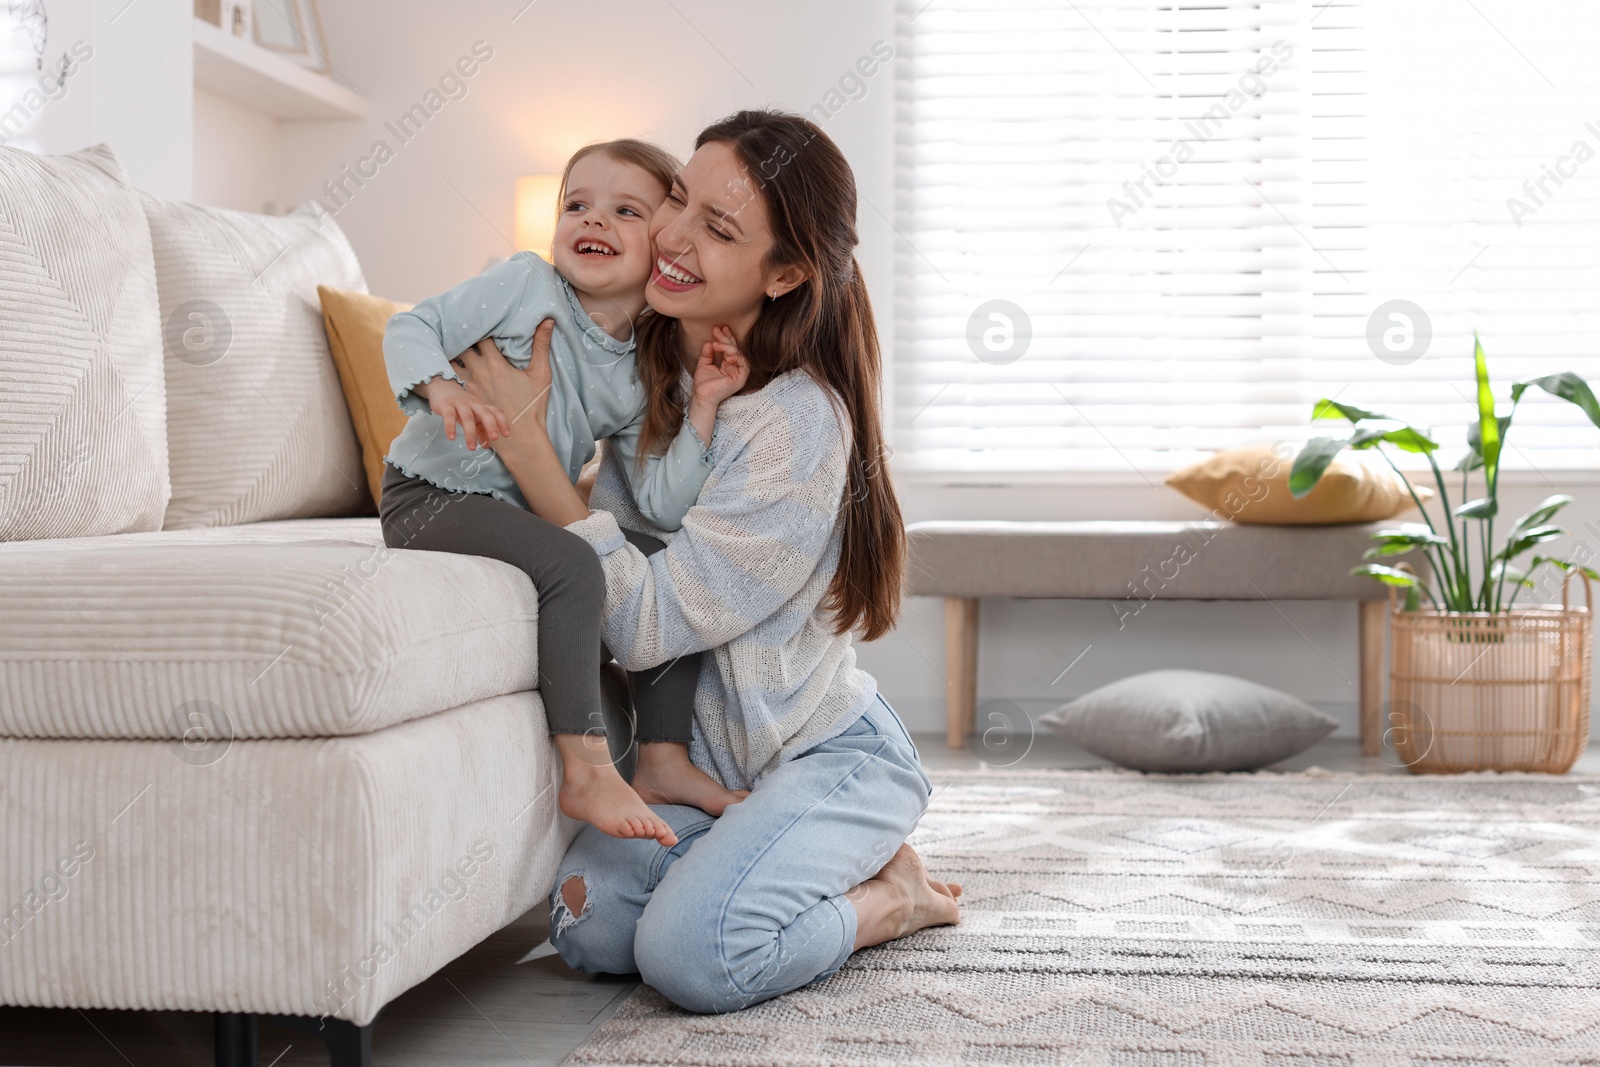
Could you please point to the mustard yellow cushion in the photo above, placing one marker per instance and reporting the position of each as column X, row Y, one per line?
column 1251, row 485
column 355, row 323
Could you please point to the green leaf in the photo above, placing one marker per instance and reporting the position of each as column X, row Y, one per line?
column 1515, row 576
column 1409, row 440
column 1474, row 457
column 1516, row 546
column 1485, row 507
column 1404, row 438
column 1541, row 514
column 1413, row 600
column 1414, row 533
column 1488, row 425
column 1386, row 575
column 1311, row 462
column 1328, row 409
column 1399, row 542
column 1564, row 564
column 1368, row 438
column 1568, row 387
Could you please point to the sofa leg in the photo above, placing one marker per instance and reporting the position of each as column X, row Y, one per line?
column 236, row 1039
column 961, row 667
column 349, row 1045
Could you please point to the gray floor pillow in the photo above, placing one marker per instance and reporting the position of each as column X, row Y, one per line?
column 1190, row 721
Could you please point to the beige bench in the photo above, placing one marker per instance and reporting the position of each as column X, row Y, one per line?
column 1132, row 564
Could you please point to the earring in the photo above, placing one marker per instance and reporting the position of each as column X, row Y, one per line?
column 772, row 296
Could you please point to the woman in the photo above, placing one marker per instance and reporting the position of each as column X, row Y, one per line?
column 796, row 541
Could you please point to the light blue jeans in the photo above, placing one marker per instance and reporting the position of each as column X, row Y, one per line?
column 750, row 905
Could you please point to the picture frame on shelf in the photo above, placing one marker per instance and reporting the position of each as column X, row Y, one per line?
column 293, row 29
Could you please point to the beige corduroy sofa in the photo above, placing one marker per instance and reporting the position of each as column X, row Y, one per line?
column 251, row 761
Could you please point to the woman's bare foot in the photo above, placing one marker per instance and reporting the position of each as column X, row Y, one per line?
column 665, row 776
column 902, row 899
column 593, row 791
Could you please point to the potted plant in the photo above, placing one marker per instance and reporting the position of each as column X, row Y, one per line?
column 1476, row 682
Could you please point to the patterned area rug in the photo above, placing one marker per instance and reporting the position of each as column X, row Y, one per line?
column 1310, row 920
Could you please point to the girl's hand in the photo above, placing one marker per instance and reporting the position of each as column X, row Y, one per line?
column 722, row 371
column 479, row 421
column 491, row 379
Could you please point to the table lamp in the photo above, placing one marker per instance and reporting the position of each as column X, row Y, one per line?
column 536, row 212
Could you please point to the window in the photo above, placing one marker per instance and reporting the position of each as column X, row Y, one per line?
column 1136, row 232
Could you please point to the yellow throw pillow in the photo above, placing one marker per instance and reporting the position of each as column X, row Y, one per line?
column 1251, row 485
column 355, row 323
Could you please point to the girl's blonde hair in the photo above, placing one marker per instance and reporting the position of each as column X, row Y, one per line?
column 660, row 164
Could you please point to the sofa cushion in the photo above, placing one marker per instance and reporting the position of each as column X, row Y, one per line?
column 83, row 429
column 1251, row 485
column 355, row 324
column 257, row 422
column 295, row 629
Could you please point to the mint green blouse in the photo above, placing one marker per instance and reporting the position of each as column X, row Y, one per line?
column 595, row 394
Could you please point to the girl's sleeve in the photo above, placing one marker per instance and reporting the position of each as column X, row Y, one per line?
column 419, row 344
column 746, row 548
column 666, row 486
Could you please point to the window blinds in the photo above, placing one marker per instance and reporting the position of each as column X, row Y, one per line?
column 1134, row 233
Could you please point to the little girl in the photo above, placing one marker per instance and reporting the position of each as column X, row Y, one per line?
column 447, row 491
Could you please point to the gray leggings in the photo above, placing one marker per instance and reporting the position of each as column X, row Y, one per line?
column 572, row 591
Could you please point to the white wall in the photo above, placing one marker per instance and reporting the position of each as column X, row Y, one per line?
column 564, row 73
column 131, row 72
column 237, row 155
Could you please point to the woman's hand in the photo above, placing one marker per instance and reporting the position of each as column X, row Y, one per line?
column 524, row 395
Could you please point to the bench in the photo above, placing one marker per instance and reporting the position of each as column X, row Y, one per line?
column 1131, row 564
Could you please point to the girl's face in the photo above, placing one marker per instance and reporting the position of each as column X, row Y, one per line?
column 602, row 242
column 712, row 237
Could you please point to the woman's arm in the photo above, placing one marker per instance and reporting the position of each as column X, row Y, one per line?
column 760, row 532
column 752, row 542
column 524, row 395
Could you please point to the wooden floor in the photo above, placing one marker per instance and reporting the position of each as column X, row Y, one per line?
column 484, row 1009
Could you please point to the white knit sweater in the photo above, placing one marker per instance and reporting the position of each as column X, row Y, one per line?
column 744, row 578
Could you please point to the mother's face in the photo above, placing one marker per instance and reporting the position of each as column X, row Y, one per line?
column 712, row 236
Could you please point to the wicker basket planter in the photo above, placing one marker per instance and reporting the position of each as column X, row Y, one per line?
column 1507, row 691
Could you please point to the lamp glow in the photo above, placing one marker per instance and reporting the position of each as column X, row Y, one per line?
column 536, row 211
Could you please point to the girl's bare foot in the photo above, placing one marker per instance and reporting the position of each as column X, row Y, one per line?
column 593, row 791
column 665, row 776
column 902, row 899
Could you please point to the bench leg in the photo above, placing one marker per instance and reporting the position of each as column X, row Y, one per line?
column 961, row 667
column 1371, row 629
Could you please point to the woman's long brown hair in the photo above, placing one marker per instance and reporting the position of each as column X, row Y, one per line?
column 824, row 327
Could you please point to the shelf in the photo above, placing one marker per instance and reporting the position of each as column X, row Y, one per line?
column 246, row 73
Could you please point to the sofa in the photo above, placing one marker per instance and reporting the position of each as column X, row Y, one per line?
column 252, row 762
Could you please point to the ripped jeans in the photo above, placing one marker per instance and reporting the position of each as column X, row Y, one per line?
column 750, row 905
